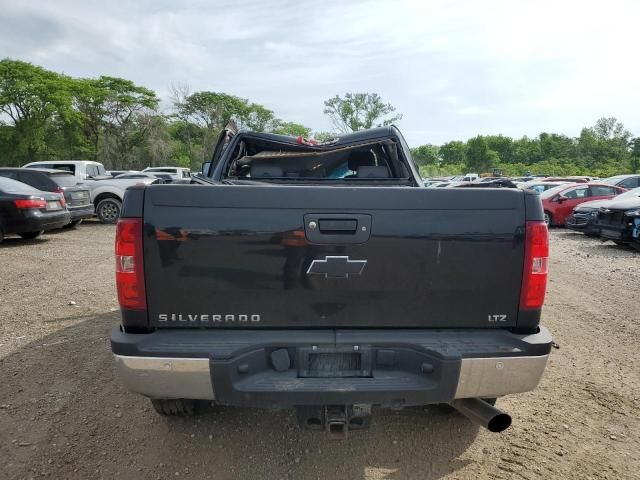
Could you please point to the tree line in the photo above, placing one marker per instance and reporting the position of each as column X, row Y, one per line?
column 605, row 149
column 47, row 115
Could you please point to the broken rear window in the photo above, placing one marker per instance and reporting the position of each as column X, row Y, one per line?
column 262, row 160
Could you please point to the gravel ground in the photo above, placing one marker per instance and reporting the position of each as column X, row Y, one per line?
column 64, row 415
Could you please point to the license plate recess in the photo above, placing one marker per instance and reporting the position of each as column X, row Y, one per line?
column 334, row 362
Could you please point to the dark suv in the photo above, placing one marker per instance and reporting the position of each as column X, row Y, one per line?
column 76, row 195
column 625, row 181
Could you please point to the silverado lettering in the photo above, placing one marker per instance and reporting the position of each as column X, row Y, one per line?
column 377, row 289
column 206, row 317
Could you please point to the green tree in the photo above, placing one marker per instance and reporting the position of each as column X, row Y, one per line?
column 454, row 153
column 206, row 113
column 30, row 97
column 609, row 128
column 359, row 111
column 324, row 136
column 290, row 128
column 213, row 110
column 635, row 154
column 604, row 147
column 480, row 158
column 426, row 155
column 256, row 118
column 526, row 151
column 124, row 109
column 90, row 99
column 157, row 147
column 502, row 145
column 553, row 145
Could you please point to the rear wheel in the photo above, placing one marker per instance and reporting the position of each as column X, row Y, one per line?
column 174, row 406
column 30, row 235
column 548, row 218
column 1, row 234
column 108, row 210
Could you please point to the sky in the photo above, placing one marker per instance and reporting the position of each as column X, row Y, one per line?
column 454, row 69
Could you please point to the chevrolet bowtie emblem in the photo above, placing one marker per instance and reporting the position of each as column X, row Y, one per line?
column 336, row 267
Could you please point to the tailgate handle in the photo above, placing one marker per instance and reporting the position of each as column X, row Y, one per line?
column 337, row 228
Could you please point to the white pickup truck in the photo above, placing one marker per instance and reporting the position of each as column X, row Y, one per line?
column 106, row 192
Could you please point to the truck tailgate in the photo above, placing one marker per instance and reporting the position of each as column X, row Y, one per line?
column 305, row 256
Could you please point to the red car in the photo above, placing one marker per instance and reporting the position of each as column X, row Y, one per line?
column 558, row 202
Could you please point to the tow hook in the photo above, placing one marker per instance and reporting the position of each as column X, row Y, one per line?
column 336, row 420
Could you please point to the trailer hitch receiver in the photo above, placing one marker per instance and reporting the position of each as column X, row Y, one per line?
column 336, row 420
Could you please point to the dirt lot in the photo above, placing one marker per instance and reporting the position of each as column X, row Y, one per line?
column 64, row 415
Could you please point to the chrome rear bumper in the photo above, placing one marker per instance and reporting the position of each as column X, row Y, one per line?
column 479, row 377
column 166, row 377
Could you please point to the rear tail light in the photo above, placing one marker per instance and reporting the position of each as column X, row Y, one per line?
column 129, row 264
column 61, row 192
column 30, row 203
column 536, row 258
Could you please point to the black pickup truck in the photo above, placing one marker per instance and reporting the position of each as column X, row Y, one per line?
column 326, row 278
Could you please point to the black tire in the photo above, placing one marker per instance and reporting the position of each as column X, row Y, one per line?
column 1, row 234
column 73, row 224
column 548, row 219
column 635, row 245
column 174, row 407
column 30, row 235
column 108, row 210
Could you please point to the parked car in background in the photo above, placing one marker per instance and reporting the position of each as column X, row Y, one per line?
column 430, row 182
column 619, row 219
column 499, row 182
column 523, row 179
column 572, row 179
column 28, row 212
column 167, row 178
column 540, row 187
column 76, row 195
column 116, row 173
column 162, row 177
column 106, row 192
column 82, row 169
column 584, row 217
column 625, row 181
column 559, row 202
column 177, row 173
